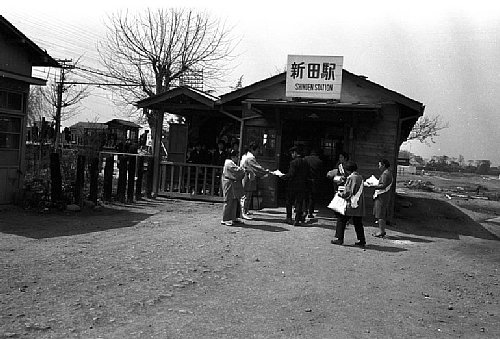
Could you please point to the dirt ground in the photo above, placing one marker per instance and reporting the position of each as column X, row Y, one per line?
column 168, row 269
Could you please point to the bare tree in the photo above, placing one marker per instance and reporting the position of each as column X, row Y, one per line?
column 427, row 128
column 150, row 52
column 72, row 95
column 38, row 106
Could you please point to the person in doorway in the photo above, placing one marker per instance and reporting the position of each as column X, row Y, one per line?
column 353, row 192
column 253, row 170
column 382, row 197
column 232, row 189
column 297, row 180
column 315, row 175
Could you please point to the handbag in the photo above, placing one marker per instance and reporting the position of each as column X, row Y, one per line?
column 338, row 204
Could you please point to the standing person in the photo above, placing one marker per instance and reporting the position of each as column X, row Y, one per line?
column 315, row 175
column 220, row 155
column 353, row 192
column 297, row 177
column 232, row 189
column 382, row 197
column 253, row 170
column 338, row 173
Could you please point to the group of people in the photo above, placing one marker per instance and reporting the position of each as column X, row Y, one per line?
column 303, row 181
column 200, row 154
column 239, row 183
column 350, row 187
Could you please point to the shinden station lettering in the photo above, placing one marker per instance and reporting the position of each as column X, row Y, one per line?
column 314, row 87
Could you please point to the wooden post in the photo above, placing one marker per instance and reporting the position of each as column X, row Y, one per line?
column 157, row 151
column 140, row 175
column 131, row 177
column 94, row 175
column 80, row 179
column 122, row 178
column 149, row 177
column 108, row 177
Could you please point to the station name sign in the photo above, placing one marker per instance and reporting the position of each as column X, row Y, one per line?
column 313, row 76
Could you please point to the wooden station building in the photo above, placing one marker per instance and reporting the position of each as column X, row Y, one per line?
column 368, row 121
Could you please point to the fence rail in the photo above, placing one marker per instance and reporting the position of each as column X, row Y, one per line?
column 190, row 180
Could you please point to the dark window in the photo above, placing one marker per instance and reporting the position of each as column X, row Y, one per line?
column 15, row 101
column 10, row 132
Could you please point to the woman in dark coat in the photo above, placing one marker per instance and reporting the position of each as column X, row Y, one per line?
column 353, row 193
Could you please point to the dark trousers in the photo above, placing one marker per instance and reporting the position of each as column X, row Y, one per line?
column 310, row 196
column 294, row 198
column 358, row 227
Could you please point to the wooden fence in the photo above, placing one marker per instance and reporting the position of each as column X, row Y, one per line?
column 192, row 181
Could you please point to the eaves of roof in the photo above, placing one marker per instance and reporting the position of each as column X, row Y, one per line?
column 40, row 57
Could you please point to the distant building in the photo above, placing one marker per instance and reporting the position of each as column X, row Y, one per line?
column 18, row 55
column 112, row 135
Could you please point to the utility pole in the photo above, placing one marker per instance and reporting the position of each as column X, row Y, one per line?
column 60, row 89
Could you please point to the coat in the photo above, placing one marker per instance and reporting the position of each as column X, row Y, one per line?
column 298, row 175
column 253, row 170
column 352, row 185
column 232, row 176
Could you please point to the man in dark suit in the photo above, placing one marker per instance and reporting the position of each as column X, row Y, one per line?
column 297, row 181
column 316, row 174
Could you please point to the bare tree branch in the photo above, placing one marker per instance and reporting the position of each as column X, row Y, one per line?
column 156, row 48
column 427, row 128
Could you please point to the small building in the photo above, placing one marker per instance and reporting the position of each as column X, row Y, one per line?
column 82, row 132
column 17, row 57
column 369, row 122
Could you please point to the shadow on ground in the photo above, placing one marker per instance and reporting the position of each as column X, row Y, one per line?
column 268, row 228
column 39, row 226
column 437, row 218
column 426, row 217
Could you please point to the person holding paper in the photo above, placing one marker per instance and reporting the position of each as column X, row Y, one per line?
column 382, row 197
column 253, row 170
column 353, row 193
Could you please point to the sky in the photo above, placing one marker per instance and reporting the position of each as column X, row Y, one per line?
column 444, row 54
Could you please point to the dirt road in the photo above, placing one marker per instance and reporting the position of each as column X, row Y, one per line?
column 168, row 269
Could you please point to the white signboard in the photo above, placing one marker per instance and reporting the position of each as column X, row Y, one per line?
column 312, row 76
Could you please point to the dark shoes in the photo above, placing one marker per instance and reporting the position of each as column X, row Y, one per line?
column 379, row 234
column 337, row 242
column 289, row 221
column 360, row 244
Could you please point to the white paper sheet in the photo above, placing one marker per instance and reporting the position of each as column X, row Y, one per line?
column 278, row 173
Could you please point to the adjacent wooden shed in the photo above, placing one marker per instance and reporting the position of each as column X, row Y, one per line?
column 369, row 122
column 18, row 55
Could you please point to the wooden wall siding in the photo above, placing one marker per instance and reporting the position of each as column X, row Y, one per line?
column 9, row 183
column 379, row 142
